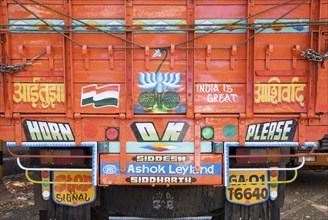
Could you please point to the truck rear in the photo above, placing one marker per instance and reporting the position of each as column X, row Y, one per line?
column 164, row 109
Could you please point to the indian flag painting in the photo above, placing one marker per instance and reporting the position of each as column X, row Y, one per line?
column 101, row 96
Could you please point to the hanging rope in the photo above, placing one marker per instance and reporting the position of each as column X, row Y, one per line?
column 49, row 25
column 262, row 27
column 86, row 24
column 142, row 46
column 274, row 22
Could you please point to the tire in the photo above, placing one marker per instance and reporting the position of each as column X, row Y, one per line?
column 164, row 202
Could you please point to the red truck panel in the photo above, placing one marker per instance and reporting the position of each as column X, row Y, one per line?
column 238, row 72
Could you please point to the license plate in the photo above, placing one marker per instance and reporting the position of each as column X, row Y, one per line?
column 246, row 187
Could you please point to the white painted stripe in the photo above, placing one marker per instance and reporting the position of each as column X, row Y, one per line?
column 100, row 96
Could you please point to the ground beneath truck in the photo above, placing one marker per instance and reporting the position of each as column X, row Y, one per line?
column 306, row 198
column 16, row 198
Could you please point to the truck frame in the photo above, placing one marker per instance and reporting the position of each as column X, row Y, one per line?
column 164, row 109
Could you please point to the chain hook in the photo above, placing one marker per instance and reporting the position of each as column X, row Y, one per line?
column 312, row 55
column 5, row 68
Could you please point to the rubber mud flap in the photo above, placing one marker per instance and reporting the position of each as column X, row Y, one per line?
column 164, row 202
column 62, row 212
column 268, row 210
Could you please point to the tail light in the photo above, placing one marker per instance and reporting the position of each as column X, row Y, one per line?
column 65, row 156
column 112, row 133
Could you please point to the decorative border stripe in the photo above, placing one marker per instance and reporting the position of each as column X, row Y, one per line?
column 102, row 24
column 161, row 25
column 141, row 147
column 223, row 26
column 282, row 26
column 35, row 25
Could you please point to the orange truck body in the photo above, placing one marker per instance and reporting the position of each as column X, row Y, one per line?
column 151, row 85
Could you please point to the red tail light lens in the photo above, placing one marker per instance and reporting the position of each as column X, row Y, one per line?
column 112, row 134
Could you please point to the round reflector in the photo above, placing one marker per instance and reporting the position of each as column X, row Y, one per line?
column 112, row 134
column 208, row 133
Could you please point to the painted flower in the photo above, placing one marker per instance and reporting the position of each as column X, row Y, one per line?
column 160, row 81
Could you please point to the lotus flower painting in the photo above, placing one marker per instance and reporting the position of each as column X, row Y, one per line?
column 159, row 88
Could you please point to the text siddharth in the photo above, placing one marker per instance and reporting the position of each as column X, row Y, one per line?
column 160, row 179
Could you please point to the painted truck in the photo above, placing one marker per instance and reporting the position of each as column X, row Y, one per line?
column 164, row 109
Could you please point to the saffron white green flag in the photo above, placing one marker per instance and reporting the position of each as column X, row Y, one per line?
column 101, row 96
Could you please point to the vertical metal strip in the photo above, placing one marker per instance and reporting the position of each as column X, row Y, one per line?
column 323, row 68
column 129, row 59
column 190, row 61
column 50, row 57
column 68, row 60
column 18, row 129
column 197, row 148
column 3, row 76
column 78, row 128
column 111, row 57
column 250, row 59
column 301, row 129
column 242, row 129
column 313, row 68
column 122, row 143
column 7, row 78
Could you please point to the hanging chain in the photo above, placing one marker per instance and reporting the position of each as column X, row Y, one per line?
column 311, row 55
column 5, row 68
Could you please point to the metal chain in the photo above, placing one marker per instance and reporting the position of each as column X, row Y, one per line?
column 312, row 55
column 5, row 68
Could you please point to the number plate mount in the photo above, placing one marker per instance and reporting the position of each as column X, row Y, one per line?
column 246, row 187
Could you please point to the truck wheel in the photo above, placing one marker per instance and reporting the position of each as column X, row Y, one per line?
column 165, row 202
